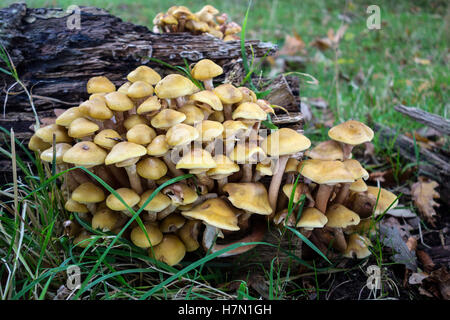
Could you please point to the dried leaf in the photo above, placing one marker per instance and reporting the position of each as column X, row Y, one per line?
column 437, row 285
column 390, row 236
column 423, row 194
column 293, row 45
column 417, row 277
column 426, row 260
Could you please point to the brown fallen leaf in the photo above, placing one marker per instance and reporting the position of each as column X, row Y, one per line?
column 293, row 45
column 426, row 260
column 423, row 194
column 331, row 40
column 437, row 285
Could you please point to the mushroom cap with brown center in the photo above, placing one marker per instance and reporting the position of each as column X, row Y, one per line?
column 88, row 193
column 167, row 118
column 206, row 69
column 159, row 202
column 170, row 250
column 249, row 111
column 312, row 218
column 181, row 134
column 357, row 245
column 139, row 238
column 208, row 98
column 341, row 217
column 285, row 141
column 128, row 195
column 144, row 73
column 351, row 132
column 141, row 134
column 85, row 153
column 384, row 201
column 196, row 159
column 326, row 150
column 118, row 101
column 60, row 148
column 46, row 134
column 124, row 151
column 174, row 86
column 151, row 168
column 107, row 138
column 214, row 212
column 228, row 93
column 251, row 197
column 325, row 171
column 100, row 84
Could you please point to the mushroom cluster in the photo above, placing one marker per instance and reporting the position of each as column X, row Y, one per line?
column 206, row 21
column 150, row 129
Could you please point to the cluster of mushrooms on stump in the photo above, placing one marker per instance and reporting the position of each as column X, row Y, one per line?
column 207, row 20
column 150, row 130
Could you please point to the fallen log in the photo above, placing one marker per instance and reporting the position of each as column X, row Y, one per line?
column 432, row 120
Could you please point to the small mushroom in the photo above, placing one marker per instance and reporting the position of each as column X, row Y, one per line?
column 170, row 250
column 205, row 70
column 349, row 134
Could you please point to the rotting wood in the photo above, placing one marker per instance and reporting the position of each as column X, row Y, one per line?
column 432, row 120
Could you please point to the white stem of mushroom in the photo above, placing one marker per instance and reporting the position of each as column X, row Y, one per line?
column 135, row 181
column 276, row 182
column 180, row 101
column 208, row 84
column 247, row 172
column 171, row 166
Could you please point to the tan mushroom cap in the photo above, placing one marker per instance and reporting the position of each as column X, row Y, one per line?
column 358, row 186
column 124, row 88
column 85, row 153
column 248, row 95
column 118, row 101
column 149, row 105
column 196, row 159
column 325, row 171
column 46, row 134
column 151, row 168
column 287, row 190
column 291, row 165
column 228, row 93
column 341, row 217
column 280, row 218
column 197, row 26
column 128, row 195
column 214, row 212
column 355, row 168
column 224, row 167
column 206, row 69
column 167, row 118
column 170, row 250
column 351, row 132
column 188, row 233
column 65, row 118
column 140, row 89
column 96, row 109
column 88, row 193
column 174, row 86
column 141, row 134
column 100, row 84
column 208, row 98
column 139, row 238
column 358, row 246
column 82, row 127
column 231, row 128
column 181, row 134
column 100, row 95
column 124, row 151
column 134, row 120
column 172, row 223
column 249, row 111
column 193, row 114
column 105, row 219
column 326, row 150
column 312, row 218
column 264, row 169
column 246, row 153
column 74, row 206
column 384, row 201
column 285, row 141
column 37, row 144
column 158, row 147
column 158, row 203
column 188, row 195
column 144, row 73
column 60, row 148
column 107, row 138
column 251, row 197
column 209, row 130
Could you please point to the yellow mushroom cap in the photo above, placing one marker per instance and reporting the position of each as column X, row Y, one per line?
column 358, row 186
column 312, row 218
column 325, row 171
column 144, row 73
column 206, row 69
column 249, row 111
column 228, row 93
column 170, row 250
column 172, row 223
column 60, row 148
column 214, row 212
column 355, row 168
column 149, row 105
column 140, row 89
column 285, row 141
column 264, row 169
column 141, row 134
column 224, row 167
column 85, row 153
column 134, row 120
column 65, row 118
column 287, row 190
column 118, row 101
column 128, row 195
column 151, row 168
column 139, row 238
column 358, row 246
column 124, row 151
column 188, row 233
column 193, row 114
column 209, row 130
column 158, row 146
column 88, row 193
column 158, row 203
column 100, row 84
column 246, row 153
column 341, row 217
column 124, row 88
column 46, row 134
column 74, row 206
column 167, row 118
column 385, row 199
column 248, row 95
column 37, row 144
column 82, row 127
column 351, row 132
column 107, row 138
column 174, row 86
column 96, row 109
column 181, row 134
column 291, row 165
column 181, row 194
column 251, row 197
column 231, row 128
column 327, row 150
column 208, row 98
column 104, row 219
column 196, row 159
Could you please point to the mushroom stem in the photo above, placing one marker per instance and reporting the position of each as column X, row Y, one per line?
column 205, row 180
column 180, row 101
column 120, row 176
column 135, row 181
column 227, row 111
column 247, row 172
column 151, row 216
column 151, row 184
column 347, row 150
column 276, row 182
column 171, row 166
column 164, row 213
column 343, row 193
column 221, row 183
column 208, row 84
column 322, row 196
column 340, row 243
